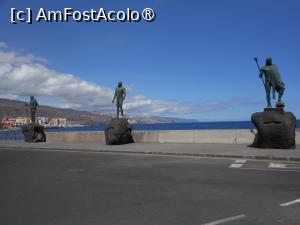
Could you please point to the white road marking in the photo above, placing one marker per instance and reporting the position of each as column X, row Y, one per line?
column 277, row 165
column 271, row 170
column 290, row 203
column 229, row 219
column 240, row 161
column 236, row 165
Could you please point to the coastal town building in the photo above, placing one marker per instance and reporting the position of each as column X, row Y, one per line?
column 58, row 122
column 21, row 120
column 8, row 122
column 42, row 120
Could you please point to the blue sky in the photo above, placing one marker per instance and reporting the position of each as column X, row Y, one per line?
column 194, row 61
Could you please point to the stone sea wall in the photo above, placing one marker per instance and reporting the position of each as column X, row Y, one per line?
column 242, row 136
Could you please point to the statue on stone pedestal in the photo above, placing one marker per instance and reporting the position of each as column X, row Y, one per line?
column 33, row 132
column 120, row 95
column 275, row 127
column 32, row 106
column 272, row 81
column 118, row 130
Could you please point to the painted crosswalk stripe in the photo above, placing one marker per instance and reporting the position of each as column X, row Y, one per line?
column 290, row 203
column 236, row 165
column 240, row 161
column 229, row 219
column 277, row 165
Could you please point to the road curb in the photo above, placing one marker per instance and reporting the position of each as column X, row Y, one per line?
column 204, row 155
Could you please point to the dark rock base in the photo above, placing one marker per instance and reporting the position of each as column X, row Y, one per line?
column 33, row 133
column 275, row 129
column 118, row 132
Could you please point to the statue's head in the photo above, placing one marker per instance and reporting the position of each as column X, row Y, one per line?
column 31, row 97
column 268, row 61
column 120, row 84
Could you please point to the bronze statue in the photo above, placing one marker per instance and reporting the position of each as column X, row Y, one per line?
column 120, row 94
column 32, row 106
column 33, row 132
column 272, row 81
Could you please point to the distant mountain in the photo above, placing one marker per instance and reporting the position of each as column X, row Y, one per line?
column 177, row 120
column 14, row 108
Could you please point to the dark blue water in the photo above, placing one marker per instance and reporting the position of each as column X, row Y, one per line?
column 171, row 126
column 166, row 126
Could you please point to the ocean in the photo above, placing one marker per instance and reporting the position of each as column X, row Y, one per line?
column 16, row 134
column 171, row 126
column 167, row 126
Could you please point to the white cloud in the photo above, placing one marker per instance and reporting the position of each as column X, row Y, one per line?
column 3, row 45
column 140, row 105
column 23, row 74
column 9, row 96
column 17, row 57
column 218, row 105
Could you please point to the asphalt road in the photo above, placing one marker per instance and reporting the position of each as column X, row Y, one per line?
column 86, row 188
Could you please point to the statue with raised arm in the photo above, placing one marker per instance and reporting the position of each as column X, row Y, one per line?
column 32, row 106
column 120, row 95
column 272, row 82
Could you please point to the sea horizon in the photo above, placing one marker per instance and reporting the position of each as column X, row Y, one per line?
column 217, row 125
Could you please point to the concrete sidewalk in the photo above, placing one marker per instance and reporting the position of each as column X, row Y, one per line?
column 201, row 150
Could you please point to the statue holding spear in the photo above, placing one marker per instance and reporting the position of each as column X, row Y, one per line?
column 272, row 81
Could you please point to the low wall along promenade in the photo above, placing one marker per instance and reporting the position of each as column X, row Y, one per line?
column 242, row 136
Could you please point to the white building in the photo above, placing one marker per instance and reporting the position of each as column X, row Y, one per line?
column 42, row 120
column 21, row 120
column 58, row 122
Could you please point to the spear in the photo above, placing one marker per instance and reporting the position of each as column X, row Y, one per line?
column 26, row 112
column 256, row 60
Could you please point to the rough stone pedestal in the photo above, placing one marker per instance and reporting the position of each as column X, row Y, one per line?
column 118, row 132
column 275, row 129
column 33, row 133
